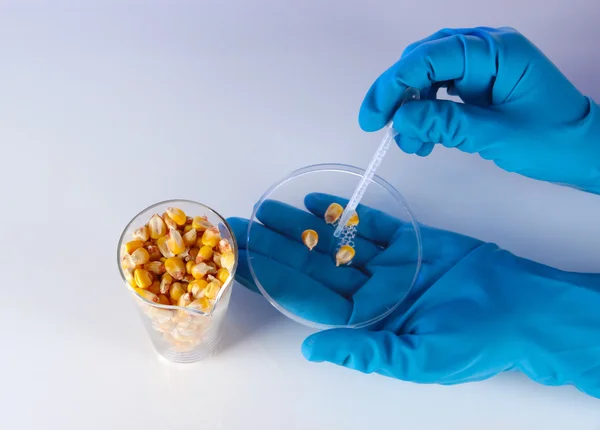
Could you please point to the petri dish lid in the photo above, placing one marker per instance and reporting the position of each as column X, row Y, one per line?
column 307, row 285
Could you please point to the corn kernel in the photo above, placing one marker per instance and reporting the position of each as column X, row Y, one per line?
column 127, row 262
column 147, row 295
column 189, row 220
column 157, row 227
column 163, row 300
column 344, row 255
column 211, row 237
column 143, row 278
column 171, row 224
column 193, row 253
column 228, row 261
column 164, row 248
column 177, row 215
column 162, row 260
column 175, row 267
column 155, row 288
column 201, row 304
column 176, row 292
column 212, row 289
column 310, row 238
column 129, row 276
column 142, row 234
column 133, row 245
column 333, row 213
column 140, row 256
column 155, row 267
column 224, row 246
column 217, row 259
column 353, row 220
column 197, row 287
column 165, row 283
column 190, row 238
column 201, row 223
column 204, row 254
column 175, row 242
column 185, row 299
column 200, row 270
column 188, row 278
column 188, row 267
column 222, row 275
column 187, row 228
column 154, row 252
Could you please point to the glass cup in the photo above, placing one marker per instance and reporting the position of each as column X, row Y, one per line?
column 182, row 335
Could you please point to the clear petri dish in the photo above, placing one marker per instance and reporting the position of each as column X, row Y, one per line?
column 309, row 285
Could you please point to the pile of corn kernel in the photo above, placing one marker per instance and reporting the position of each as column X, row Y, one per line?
column 178, row 260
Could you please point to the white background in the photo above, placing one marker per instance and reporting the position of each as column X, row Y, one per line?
column 107, row 108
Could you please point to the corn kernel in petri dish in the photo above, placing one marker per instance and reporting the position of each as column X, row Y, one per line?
column 129, row 276
column 212, row 289
column 175, row 267
column 211, row 237
column 310, row 238
column 185, row 299
column 187, row 228
column 200, row 270
column 227, row 261
column 133, row 245
column 190, row 238
column 193, row 253
column 140, row 256
column 201, row 224
column 143, row 278
column 202, row 304
column 156, row 227
column 333, row 213
column 165, row 283
column 154, row 288
column 147, row 295
column 224, row 246
column 164, row 248
column 204, row 254
column 353, row 220
column 198, row 287
column 176, row 291
column 188, row 278
column 154, row 252
column 155, row 267
column 127, row 262
column 217, row 259
column 175, row 242
column 177, row 215
column 142, row 234
column 188, row 267
column 163, row 300
column 170, row 223
column 344, row 255
column 222, row 274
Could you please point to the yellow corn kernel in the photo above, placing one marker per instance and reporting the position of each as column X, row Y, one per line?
column 163, row 300
column 190, row 238
column 353, row 220
column 165, row 283
column 202, row 304
column 154, row 252
column 200, row 270
column 222, row 275
column 147, row 295
column 188, row 278
column 129, row 276
column 193, row 253
column 164, row 248
column 333, row 213
column 175, row 242
column 176, row 292
column 127, row 262
column 143, row 278
column 197, row 287
column 224, row 246
column 188, row 267
column 217, row 259
column 204, row 254
column 140, row 256
column 188, row 227
column 133, row 245
column 157, row 227
column 170, row 223
column 155, row 267
column 211, row 237
column 310, row 238
column 344, row 255
column 201, row 223
column 177, row 215
column 142, row 234
column 228, row 261
column 162, row 260
column 154, row 288
column 175, row 267
column 185, row 299
column 212, row 289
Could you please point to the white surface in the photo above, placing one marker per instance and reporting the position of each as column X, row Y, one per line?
column 107, row 109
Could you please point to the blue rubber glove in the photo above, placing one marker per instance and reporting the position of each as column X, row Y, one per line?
column 474, row 312
column 519, row 110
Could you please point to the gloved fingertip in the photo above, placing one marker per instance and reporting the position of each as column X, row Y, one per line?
column 426, row 149
column 307, row 348
column 408, row 144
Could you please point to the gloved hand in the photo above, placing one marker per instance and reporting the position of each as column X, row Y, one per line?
column 519, row 110
column 474, row 312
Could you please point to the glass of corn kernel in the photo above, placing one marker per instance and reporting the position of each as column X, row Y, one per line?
column 178, row 259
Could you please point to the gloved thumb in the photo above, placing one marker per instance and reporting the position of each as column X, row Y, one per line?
column 381, row 352
column 423, row 123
